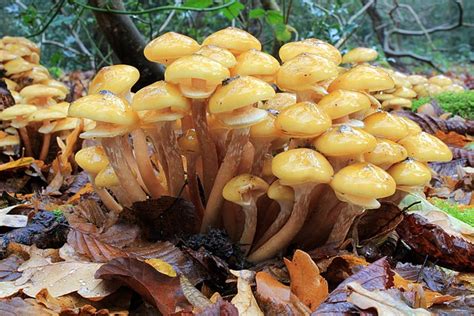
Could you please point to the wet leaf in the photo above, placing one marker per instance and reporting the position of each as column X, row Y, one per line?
column 306, row 282
column 162, row 267
column 9, row 268
column 19, row 163
column 220, row 307
column 15, row 221
column 433, row 277
column 244, row 299
column 452, row 138
column 374, row 224
column 162, row 291
column 431, row 124
column 18, row 306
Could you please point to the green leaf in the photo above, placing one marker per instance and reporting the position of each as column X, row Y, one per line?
column 274, row 17
column 198, row 3
column 256, row 13
column 233, row 10
column 282, row 33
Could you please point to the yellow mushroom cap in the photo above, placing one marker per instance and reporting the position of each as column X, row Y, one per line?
column 453, row 88
column 417, row 79
column 17, row 110
column 426, row 148
column 386, row 153
column 404, row 92
column 37, row 74
column 160, row 95
column 92, row 159
column 413, row 127
column 107, row 178
column 16, row 66
column 18, row 49
column 56, row 84
column 104, row 107
column 360, row 55
column 11, row 85
column 410, row 173
column 385, row 125
column 311, row 46
column 344, row 140
column 170, row 46
column 188, row 69
column 422, row 89
column 233, row 39
column 41, row 91
column 258, row 64
column 363, row 77
column 6, row 56
column 118, row 79
column 362, row 182
column 305, row 71
column 265, row 130
column 382, row 96
column 243, row 188
column 22, row 41
column 396, row 102
column 9, row 140
column 46, row 114
column 188, row 142
column 279, row 102
column 66, row 124
column 340, row 103
column 433, row 89
column 219, row 54
column 280, row 192
column 440, row 80
column 304, row 120
column 300, row 166
column 267, row 166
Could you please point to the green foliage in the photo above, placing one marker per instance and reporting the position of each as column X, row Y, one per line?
column 465, row 214
column 460, row 103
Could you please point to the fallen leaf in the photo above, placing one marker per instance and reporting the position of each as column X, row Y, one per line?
column 18, row 306
column 220, row 307
column 14, row 221
column 306, row 282
column 86, row 189
column 22, row 162
column 244, row 299
column 431, row 124
column 433, row 277
column 381, row 301
column 162, row 291
column 9, row 268
column 162, row 267
column 452, row 138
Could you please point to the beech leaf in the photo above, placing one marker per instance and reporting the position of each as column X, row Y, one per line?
column 244, row 300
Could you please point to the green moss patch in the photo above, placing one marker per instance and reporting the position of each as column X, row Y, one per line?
column 465, row 213
column 460, row 103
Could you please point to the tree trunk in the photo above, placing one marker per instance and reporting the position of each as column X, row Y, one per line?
column 127, row 42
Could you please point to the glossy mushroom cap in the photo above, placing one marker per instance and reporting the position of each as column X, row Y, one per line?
column 396, row 103
column 426, row 148
column 340, row 103
column 18, row 50
column 363, row 183
column 417, row 79
column 45, row 114
column 386, row 153
column 303, row 120
column 363, row 78
column 279, row 102
column 17, row 65
column 39, row 91
column 107, row 178
column 300, row 166
column 18, row 114
column 234, row 102
column 304, row 72
column 22, row 41
column 311, row 46
column 453, row 88
column 280, row 192
column 113, row 115
column 404, row 92
column 360, row 55
column 118, row 79
column 344, row 140
column 265, row 130
column 413, row 127
column 197, row 76
column 66, row 124
column 11, row 85
column 188, row 142
column 92, row 159
column 385, row 125
column 257, row 64
column 219, row 54
column 243, row 188
column 56, row 84
column 410, row 173
column 37, row 74
column 440, row 80
column 170, row 46
column 9, row 140
column 235, row 40
column 160, row 101
column 7, row 56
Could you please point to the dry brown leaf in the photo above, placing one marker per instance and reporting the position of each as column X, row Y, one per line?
column 244, row 300
column 306, row 282
column 18, row 306
column 22, row 162
column 9, row 268
column 452, row 138
column 86, row 189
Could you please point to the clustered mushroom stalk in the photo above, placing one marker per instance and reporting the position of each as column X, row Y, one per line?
column 300, row 164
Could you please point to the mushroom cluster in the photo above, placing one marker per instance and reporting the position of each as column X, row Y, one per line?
column 263, row 149
column 39, row 109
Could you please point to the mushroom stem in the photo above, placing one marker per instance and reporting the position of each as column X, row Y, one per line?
column 250, row 226
column 106, row 198
column 193, row 184
column 114, row 149
column 344, row 222
column 144, row 165
column 247, row 159
column 261, row 148
column 228, row 168
column 26, row 141
column 132, row 163
column 285, row 235
column 121, row 195
column 45, row 146
column 208, row 148
column 156, row 141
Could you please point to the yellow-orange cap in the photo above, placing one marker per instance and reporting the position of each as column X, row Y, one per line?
column 363, row 77
column 118, row 79
column 303, row 120
column 16, row 66
column 426, row 148
column 170, row 46
column 404, row 92
column 340, row 103
column 219, row 54
column 17, row 110
column 360, row 55
column 385, row 125
column 41, row 91
column 233, row 39
column 280, row 192
column 300, row 166
column 396, row 103
column 440, row 80
column 257, row 64
column 417, row 79
column 243, row 188
column 311, row 46
column 386, row 153
column 160, row 96
column 413, row 127
column 279, row 102
column 344, row 140
column 92, row 159
column 107, row 178
column 410, row 173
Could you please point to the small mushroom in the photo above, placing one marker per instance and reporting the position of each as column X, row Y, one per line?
column 235, row 40
column 363, row 78
column 279, row 102
column 18, row 115
column 440, row 80
column 410, row 175
column 426, row 148
column 340, row 104
column 386, row 153
column 385, row 125
column 219, row 54
column 118, row 79
column 245, row 190
column 257, row 64
column 40, row 94
column 359, row 55
column 310, row 46
column 261, row 135
column 170, row 46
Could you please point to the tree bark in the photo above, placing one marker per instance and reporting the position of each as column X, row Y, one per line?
column 127, row 42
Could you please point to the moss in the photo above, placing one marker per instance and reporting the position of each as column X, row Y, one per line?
column 461, row 103
column 464, row 213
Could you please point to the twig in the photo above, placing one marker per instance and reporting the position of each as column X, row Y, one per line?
column 61, row 45
column 51, row 19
